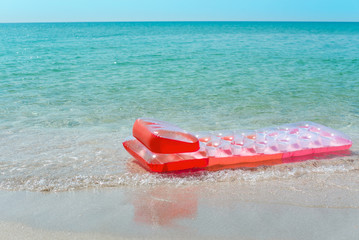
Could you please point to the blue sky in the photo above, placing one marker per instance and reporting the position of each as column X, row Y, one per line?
column 178, row 10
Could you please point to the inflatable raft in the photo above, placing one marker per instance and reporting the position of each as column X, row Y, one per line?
column 162, row 147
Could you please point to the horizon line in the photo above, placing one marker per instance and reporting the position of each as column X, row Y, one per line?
column 189, row 21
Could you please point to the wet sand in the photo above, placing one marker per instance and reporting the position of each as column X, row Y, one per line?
column 314, row 206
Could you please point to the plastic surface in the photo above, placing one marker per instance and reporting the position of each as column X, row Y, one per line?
column 283, row 142
column 169, row 150
column 158, row 162
column 163, row 137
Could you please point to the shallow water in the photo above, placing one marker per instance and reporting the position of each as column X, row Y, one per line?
column 266, row 210
column 70, row 92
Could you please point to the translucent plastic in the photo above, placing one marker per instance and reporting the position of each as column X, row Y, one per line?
column 158, row 162
column 224, row 148
column 163, row 137
column 283, row 142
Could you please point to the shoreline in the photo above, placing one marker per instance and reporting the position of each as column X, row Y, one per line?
column 276, row 209
column 18, row 231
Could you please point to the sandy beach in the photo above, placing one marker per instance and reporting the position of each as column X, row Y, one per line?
column 319, row 206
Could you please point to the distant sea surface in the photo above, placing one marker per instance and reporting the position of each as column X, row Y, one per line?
column 70, row 93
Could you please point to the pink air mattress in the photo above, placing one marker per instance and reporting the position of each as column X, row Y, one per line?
column 162, row 147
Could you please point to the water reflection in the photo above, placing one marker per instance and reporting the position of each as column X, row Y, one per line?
column 164, row 205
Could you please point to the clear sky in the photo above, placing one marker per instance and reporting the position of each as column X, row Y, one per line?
column 178, row 10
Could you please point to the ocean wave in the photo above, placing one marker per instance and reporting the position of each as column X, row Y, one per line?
column 135, row 176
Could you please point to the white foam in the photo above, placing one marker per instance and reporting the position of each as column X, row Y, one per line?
column 61, row 160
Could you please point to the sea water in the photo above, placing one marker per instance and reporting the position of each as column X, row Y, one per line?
column 70, row 93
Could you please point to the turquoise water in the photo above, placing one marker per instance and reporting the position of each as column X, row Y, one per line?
column 70, row 92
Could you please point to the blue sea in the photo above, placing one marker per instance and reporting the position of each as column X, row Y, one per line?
column 70, row 93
